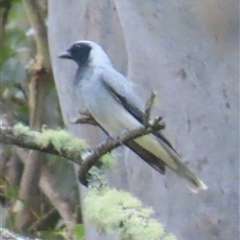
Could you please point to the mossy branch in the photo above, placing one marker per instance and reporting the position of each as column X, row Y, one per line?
column 61, row 143
column 120, row 214
column 58, row 142
column 114, row 212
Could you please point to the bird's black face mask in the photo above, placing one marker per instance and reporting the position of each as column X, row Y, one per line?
column 79, row 52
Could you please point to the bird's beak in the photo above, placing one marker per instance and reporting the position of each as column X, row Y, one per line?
column 65, row 54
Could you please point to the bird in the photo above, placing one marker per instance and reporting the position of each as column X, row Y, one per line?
column 111, row 99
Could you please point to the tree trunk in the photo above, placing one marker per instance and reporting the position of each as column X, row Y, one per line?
column 186, row 52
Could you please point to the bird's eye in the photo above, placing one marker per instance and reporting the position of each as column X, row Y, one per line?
column 80, row 53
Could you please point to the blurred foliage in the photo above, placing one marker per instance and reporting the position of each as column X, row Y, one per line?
column 17, row 73
column 79, row 232
column 17, row 56
column 62, row 233
column 15, row 33
column 3, row 3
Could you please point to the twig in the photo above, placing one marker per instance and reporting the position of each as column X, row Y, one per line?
column 44, row 218
column 85, row 120
column 148, row 108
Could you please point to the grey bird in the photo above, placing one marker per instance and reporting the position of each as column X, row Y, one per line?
column 110, row 98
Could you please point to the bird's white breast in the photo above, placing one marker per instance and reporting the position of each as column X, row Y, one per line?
column 104, row 107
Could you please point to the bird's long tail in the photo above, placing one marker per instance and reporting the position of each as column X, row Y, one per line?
column 170, row 158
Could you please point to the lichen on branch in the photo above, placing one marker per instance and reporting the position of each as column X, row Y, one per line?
column 115, row 212
column 119, row 213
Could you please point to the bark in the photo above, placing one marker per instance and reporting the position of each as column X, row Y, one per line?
column 39, row 88
column 4, row 12
column 186, row 51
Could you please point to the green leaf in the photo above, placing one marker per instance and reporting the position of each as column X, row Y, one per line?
column 79, row 231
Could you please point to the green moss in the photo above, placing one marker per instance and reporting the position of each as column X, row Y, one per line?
column 19, row 129
column 108, row 160
column 119, row 213
column 60, row 139
column 170, row 237
column 137, row 228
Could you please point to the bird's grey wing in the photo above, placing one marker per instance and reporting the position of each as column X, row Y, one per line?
column 123, row 90
column 164, row 154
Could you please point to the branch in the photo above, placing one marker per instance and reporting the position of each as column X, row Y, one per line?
column 38, row 24
column 62, row 144
column 85, row 120
column 109, row 145
column 40, row 85
column 29, row 140
column 113, row 211
column 148, row 107
column 122, row 139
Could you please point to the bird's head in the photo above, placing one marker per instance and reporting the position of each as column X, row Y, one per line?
column 86, row 53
